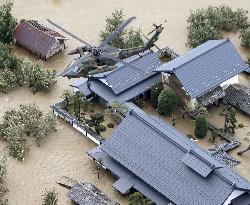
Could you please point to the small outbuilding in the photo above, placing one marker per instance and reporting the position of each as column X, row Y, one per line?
column 38, row 39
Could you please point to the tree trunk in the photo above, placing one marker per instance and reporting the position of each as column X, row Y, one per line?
column 244, row 150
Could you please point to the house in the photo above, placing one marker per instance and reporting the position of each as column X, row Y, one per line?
column 151, row 156
column 238, row 96
column 87, row 194
column 202, row 74
column 38, row 39
column 123, row 83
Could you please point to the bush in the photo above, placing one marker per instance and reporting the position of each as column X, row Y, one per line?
column 207, row 24
column 100, row 128
column 154, row 93
column 50, row 197
column 3, row 176
column 167, row 101
column 200, row 126
column 91, row 124
column 245, row 38
column 241, row 125
column 110, row 125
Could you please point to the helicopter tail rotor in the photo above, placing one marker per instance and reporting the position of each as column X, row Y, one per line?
column 157, row 27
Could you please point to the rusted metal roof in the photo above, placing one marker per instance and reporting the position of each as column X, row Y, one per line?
column 38, row 40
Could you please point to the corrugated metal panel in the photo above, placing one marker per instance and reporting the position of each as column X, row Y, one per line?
column 206, row 66
column 153, row 149
column 33, row 39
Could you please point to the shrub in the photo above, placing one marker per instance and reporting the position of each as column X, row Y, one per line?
column 200, row 126
column 167, row 101
column 110, row 125
column 3, row 176
column 100, row 128
column 245, row 38
column 50, row 197
column 206, row 24
column 91, row 124
column 116, row 110
column 241, row 125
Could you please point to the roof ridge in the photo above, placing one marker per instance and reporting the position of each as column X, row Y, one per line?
column 201, row 54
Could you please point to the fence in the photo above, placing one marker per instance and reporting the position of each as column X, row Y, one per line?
column 84, row 129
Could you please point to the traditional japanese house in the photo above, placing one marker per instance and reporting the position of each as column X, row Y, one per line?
column 202, row 74
column 154, row 158
column 38, row 39
column 125, row 83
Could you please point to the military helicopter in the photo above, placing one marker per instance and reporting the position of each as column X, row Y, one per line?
column 102, row 58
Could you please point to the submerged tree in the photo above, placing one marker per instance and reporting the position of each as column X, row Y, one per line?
column 245, row 38
column 50, row 197
column 128, row 38
column 97, row 168
column 7, row 23
column 201, row 126
column 167, row 101
column 28, row 120
column 3, row 176
column 230, row 118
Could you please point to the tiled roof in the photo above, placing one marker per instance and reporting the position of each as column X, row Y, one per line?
column 124, row 77
column 206, row 66
column 154, row 151
column 107, row 93
column 239, row 96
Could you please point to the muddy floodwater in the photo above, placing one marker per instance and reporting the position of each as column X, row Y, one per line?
column 64, row 154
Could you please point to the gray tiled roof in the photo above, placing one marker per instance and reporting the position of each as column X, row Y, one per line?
column 124, row 77
column 153, row 150
column 206, row 66
column 81, row 84
column 107, row 93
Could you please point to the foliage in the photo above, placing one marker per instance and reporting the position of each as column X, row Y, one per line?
column 50, row 197
column 110, row 125
column 22, row 71
column 154, row 93
column 230, row 118
column 116, row 110
column 3, row 176
column 97, row 168
column 138, row 199
column 28, row 120
column 200, row 126
column 245, row 38
column 214, row 136
column 167, row 101
column 100, row 128
column 207, row 24
column 128, row 38
column 7, row 23
column 241, row 125
column 96, row 118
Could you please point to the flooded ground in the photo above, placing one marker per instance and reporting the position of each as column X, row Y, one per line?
column 65, row 152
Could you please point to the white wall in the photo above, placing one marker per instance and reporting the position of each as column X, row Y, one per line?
column 230, row 81
column 232, row 196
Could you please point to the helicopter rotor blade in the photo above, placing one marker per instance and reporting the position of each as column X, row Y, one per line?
column 69, row 33
column 118, row 60
column 116, row 32
column 156, row 27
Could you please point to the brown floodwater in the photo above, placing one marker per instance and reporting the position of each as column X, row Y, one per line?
column 65, row 152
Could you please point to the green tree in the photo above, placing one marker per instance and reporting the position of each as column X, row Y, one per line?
column 3, row 176
column 7, row 23
column 167, row 101
column 28, row 120
column 128, row 38
column 207, row 24
column 201, row 126
column 230, row 118
column 245, row 38
column 67, row 97
column 50, row 197
column 138, row 199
